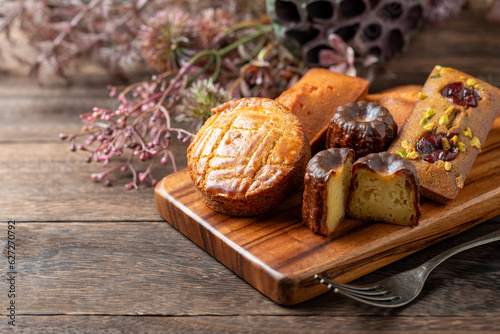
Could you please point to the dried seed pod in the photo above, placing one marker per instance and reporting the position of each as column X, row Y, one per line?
column 380, row 28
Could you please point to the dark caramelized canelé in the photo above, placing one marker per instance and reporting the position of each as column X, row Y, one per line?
column 365, row 127
column 326, row 186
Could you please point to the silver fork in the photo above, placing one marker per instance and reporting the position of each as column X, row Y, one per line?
column 400, row 289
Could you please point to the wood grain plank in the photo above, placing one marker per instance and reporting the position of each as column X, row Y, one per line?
column 46, row 182
column 259, row 324
column 279, row 255
column 26, row 118
column 468, row 43
column 39, row 113
column 149, row 268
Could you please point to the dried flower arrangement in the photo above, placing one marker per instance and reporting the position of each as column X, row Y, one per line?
column 201, row 56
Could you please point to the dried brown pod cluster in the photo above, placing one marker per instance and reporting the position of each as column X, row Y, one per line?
column 372, row 28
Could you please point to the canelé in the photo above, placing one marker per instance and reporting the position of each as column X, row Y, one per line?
column 384, row 188
column 315, row 98
column 365, row 127
column 326, row 186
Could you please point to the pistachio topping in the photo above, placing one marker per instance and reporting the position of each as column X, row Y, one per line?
column 449, row 110
column 429, row 126
column 459, row 180
column 447, row 166
column 424, row 121
column 461, row 147
column 453, row 140
column 413, row 155
column 402, row 153
column 445, row 143
column 475, row 142
column 446, row 69
column 429, row 113
column 422, row 96
column 443, row 120
column 438, row 67
column 471, row 82
column 439, row 163
column 406, row 146
column 467, row 132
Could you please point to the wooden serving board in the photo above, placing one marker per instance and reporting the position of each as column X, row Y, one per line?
column 279, row 255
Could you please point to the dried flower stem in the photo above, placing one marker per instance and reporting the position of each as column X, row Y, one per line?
column 142, row 121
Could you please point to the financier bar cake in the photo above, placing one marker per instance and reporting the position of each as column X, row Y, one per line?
column 316, row 96
column 444, row 133
column 326, row 186
column 248, row 156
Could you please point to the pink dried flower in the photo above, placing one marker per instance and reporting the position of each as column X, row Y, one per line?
column 198, row 101
column 140, row 129
column 213, row 25
column 342, row 59
column 438, row 11
column 169, row 39
column 66, row 32
column 140, row 125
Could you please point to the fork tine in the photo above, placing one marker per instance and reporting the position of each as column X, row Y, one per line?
column 392, row 301
column 364, row 294
column 388, row 297
column 368, row 289
column 374, row 293
column 381, row 292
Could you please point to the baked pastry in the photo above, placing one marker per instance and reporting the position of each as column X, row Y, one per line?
column 443, row 135
column 326, row 186
column 248, row 156
column 398, row 100
column 384, row 188
column 316, row 96
column 366, row 127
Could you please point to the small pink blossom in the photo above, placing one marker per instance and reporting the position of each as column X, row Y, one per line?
column 342, row 58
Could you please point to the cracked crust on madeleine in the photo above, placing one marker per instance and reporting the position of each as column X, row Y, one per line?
column 248, row 157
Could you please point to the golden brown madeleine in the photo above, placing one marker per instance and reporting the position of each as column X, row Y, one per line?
column 398, row 100
column 384, row 188
column 249, row 156
column 326, row 186
column 316, row 96
column 443, row 135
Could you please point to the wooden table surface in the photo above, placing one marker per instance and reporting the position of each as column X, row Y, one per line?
column 91, row 258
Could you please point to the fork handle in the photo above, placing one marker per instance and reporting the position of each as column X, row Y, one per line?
column 435, row 261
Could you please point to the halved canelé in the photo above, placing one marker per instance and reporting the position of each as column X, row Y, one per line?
column 384, row 188
column 326, row 186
